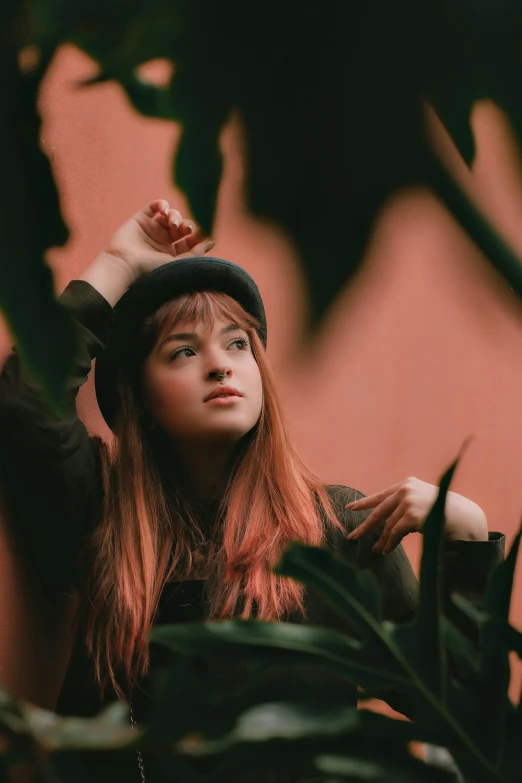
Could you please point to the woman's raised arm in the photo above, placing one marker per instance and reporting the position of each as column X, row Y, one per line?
column 49, row 466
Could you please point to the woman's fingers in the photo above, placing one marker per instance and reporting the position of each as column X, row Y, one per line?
column 398, row 515
column 382, row 512
column 372, row 501
column 193, row 245
column 170, row 219
column 397, row 533
column 187, row 227
column 203, row 247
column 158, row 206
column 174, row 218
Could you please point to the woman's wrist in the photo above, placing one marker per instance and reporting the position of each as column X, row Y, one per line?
column 111, row 275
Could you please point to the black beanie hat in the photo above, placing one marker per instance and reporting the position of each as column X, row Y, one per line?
column 148, row 294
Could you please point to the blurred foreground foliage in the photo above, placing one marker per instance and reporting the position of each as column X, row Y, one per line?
column 331, row 98
column 290, row 712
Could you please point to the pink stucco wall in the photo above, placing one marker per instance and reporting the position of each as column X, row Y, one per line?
column 422, row 351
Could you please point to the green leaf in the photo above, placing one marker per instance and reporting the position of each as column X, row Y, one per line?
column 352, row 767
column 214, row 698
column 352, row 593
column 322, row 648
column 30, row 223
column 11, row 715
column 495, row 249
column 471, row 53
column 109, row 730
column 494, row 657
column 198, row 166
column 150, row 100
column 462, row 652
column 279, row 643
column 278, row 721
column 120, row 36
column 456, row 118
column 421, row 641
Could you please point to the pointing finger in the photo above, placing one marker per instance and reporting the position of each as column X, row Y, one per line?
column 372, row 501
column 383, row 511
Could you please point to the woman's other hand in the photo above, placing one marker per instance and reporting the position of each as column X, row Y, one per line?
column 152, row 237
column 403, row 508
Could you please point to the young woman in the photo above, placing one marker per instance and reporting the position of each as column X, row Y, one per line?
column 202, row 491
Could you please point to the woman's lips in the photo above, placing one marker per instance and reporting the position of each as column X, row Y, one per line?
column 229, row 400
column 221, row 391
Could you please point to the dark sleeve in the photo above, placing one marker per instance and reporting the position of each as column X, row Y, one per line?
column 49, row 466
column 465, row 565
column 397, row 582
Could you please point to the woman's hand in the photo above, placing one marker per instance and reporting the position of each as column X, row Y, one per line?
column 404, row 507
column 152, row 237
column 155, row 235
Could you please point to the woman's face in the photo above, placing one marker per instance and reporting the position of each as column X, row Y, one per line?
column 180, row 381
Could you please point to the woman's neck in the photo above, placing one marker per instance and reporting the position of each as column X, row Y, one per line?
column 207, row 469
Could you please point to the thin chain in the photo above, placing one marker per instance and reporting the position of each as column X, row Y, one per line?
column 138, row 752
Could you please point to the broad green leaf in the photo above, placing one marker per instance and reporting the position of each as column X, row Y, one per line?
column 421, row 640
column 123, row 35
column 352, row 767
column 279, row 643
column 30, row 223
column 513, row 639
column 109, row 730
column 296, row 761
column 464, row 655
column 289, row 722
column 496, row 250
column 353, row 153
column 214, row 698
column 456, row 117
column 278, row 721
column 494, row 659
column 150, row 100
column 198, row 166
column 497, row 600
column 471, row 53
column 11, row 714
column 352, row 593
column 322, row 648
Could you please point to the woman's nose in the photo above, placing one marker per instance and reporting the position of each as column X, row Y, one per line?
column 219, row 373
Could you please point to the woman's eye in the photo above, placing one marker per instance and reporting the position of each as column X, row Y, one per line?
column 187, row 351
column 241, row 342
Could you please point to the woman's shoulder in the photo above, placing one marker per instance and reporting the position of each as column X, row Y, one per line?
column 340, row 495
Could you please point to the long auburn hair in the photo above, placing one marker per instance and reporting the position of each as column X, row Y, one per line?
column 150, row 533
